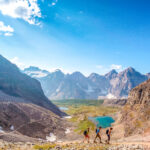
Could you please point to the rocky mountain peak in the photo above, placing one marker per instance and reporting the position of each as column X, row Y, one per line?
column 57, row 74
column 125, row 81
column 130, row 72
column 112, row 74
column 93, row 75
column 130, row 69
column 58, row 71
column 77, row 75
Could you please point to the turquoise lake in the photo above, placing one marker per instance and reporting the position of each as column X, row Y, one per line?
column 103, row 121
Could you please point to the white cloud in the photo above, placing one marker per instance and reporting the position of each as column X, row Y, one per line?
column 99, row 66
column 8, row 34
column 27, row 10
column 106, row 69
column 59, row 68
column 54, row 2
column 16, row 61
column 6, row 30
column 111, row 96
column 116, row 67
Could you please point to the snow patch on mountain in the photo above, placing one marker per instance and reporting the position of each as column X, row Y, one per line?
column 51, row 138
column 12, row 128
column 67, row 131
column 111, row 96
column 36, row 74
column 90, row 89
column 1, row 130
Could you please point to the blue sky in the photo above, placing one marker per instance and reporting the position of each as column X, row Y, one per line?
column 74, row 35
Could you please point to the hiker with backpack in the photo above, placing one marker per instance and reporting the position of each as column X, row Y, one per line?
column 108, row 133
column 98, row 134
column 86, row 135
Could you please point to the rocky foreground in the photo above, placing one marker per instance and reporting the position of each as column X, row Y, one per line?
column 73, row 146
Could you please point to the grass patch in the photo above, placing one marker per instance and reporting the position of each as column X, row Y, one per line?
column 91, row 111
column 44, row 146
column 77, row 102
column 76, row 146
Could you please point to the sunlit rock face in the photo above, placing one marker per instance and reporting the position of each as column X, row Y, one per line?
column 125, row 81
column 136, row 113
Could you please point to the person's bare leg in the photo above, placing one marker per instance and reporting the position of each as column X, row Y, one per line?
column 95, row 139
column 108, row 139
column 88, row 139
column 100, row 139
column 84, row 139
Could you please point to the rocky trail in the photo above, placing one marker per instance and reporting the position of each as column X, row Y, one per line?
column 75, row 145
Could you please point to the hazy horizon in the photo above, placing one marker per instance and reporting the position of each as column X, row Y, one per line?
column 51, row 70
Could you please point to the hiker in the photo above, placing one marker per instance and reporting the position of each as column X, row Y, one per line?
column 86, row 135
column 98, row 134
column 108, row 132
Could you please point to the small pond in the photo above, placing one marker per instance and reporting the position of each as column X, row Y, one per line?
column 63, row 108
column 103, row 121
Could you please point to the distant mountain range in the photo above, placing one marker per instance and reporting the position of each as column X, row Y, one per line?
column 57, row 85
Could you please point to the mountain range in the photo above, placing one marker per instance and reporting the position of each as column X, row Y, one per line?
column 57, row 85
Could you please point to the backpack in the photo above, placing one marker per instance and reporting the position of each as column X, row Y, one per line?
column 107, row 131
column 85, row 132
column 97, row 131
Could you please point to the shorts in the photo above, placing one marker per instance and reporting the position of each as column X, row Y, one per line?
column 87, row 136
column 98, row 135
column 108, row 137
